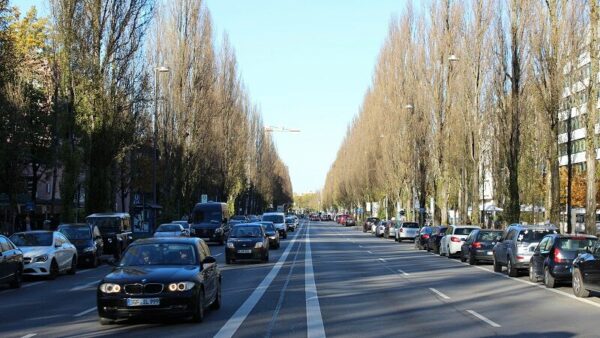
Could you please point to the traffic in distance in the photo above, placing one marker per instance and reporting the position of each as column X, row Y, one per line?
column 188, row 272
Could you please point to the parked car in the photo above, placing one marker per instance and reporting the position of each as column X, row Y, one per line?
column 452, row 242
column 272, row 233
column 422, row 239
column 46, row 253
column 88, row 241
column 380, row 228
column 210, row 222
column 478, row 246
column 341, row 219
column 11, row 263
column 247, row 242
column 407, row 230
column 369, row 223
column 314, row 218
column 349, row 221
column 253, row 218
column 586, row 270
column 552, row 259
column 516, row 246
column 161, row 277
column 170, row 230
column 278, row 220
column 435, row 238
column 115, row 228
column 389, row 231
column 290, row 224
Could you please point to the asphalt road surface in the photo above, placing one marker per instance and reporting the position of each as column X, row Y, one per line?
column 325, row 280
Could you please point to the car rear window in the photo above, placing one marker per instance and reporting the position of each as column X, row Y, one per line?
column 410, row 225
column 575, row 244
column 463, row 231
column 488, row 236
column 533, row 235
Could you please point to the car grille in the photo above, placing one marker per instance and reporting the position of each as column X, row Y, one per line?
column 138, row 289
column 27, row 260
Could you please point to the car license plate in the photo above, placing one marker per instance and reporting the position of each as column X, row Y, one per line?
column 244, row 251
column 143, row 301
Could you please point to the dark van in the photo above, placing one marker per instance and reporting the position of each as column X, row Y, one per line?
column 209, row 222
column 115, row 228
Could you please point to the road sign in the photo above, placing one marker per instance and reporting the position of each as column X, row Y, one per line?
column 203, row 198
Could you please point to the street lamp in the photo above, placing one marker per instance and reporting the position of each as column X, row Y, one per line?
column 161, row 69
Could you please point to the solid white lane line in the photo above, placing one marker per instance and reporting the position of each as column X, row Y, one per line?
column 85, row 286
column 83, row 313
column 369, row 252
column 382, row 260
column 403, row 273
column 314, row 320
column 491, row 323
column 236, row 320
column 439, row 293
column 29, row 335
column 33, row 284
column 360, row 246
column 217, row 255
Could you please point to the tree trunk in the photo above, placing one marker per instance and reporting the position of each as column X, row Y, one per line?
column 590, row 208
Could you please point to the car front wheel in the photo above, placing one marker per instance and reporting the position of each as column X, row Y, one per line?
column 73, row 268
column 199, row 314
column 16, row 282
column 53, row 270
column 216, row 304
column 578, row 287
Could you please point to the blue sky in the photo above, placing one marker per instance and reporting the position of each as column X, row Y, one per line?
column 307, row 64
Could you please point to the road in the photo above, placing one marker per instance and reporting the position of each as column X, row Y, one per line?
column 325, row 280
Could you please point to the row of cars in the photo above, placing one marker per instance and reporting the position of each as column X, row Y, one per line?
column 539, row 251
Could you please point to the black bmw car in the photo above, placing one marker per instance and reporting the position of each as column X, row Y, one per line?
column 161, row 277
column 247, row 241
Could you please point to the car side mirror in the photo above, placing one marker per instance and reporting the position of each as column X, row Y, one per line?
column 209, row 260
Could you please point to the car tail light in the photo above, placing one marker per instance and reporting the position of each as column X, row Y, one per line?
column 454, row 239
column 558, row 257
column 425, row 236
column 520, row 258
column 476, row 245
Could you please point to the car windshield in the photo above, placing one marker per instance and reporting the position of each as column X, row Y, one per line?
column 269, row 226
column 106, row 224
column 185, row 225
column 463, row 231
column 245, row 232
column 534, row 235
column 576, row 244
column 32, row 239
column 206, row 216
column 488, row 236
column 75, row 233
column 168, row 228
column 289, row 220
column 410, row 225
column 273, row 218
column 159, row 254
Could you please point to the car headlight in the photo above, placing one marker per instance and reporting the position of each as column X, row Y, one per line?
column 230, row 245
column 41, row 258
column 89, row 249
column 110, row 288
column 258, row 245
column 181, row 286
column 271, row 237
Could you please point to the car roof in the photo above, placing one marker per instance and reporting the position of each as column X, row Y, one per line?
column 73, row 225
column 248, row 224
column 465, row 226
column 110, row 214
column 172, row 240
column 573, row 236
column 533, row 226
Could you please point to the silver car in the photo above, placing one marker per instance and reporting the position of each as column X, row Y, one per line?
column 170, row 230
column 407, row 230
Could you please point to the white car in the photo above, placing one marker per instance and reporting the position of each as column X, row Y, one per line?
column 170, row 230
column 451, row 244
column 46, row 253
column 406, row 230
column 379, row 228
